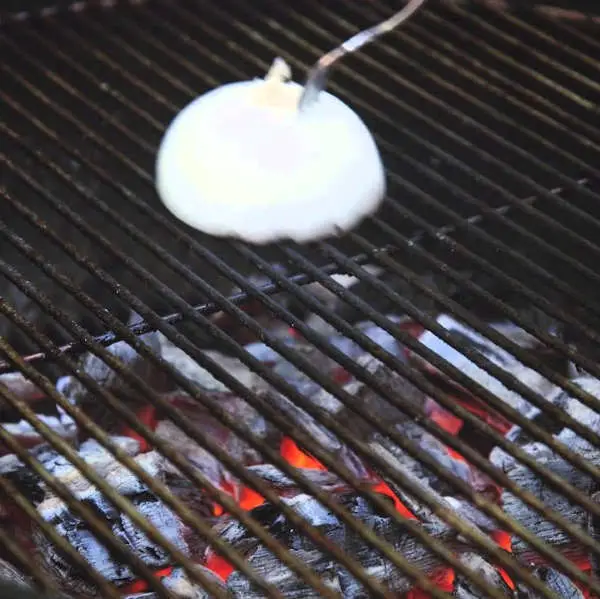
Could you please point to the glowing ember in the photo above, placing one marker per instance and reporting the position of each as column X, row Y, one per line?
column 141, row 586
column 443, row 579
column 220, row 566
column 247, row 498
column 296, row 457
column 147, row 416
column 383, row 488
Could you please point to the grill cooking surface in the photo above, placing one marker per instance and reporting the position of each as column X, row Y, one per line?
column 428, row 421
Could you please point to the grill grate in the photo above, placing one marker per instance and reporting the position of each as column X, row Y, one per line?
column 489, row 124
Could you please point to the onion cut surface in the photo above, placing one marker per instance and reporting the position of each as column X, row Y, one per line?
column 243, row 161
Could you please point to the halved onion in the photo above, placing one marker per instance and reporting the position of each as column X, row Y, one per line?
column 243, row 161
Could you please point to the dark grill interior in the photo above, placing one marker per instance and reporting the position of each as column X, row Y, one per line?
column 489, row 126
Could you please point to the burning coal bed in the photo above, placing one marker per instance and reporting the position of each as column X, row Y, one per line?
column 73, row 582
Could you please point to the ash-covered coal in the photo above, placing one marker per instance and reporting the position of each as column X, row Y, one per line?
column 571, row 406
column 209, row 427
column 284, row 485
column 10, row 574
column 495, row 354
column 555, row 582
column 465, row 589
column 268, row 566
column 17, row 384
column 78, row 533
column 402, row 461
column 182, row 587
column 114, row 382
column 552, row 499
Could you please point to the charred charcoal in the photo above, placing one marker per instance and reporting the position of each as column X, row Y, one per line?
column 61, row 424
column 179, row 583
column 571, row 406
column 114, row 382
column 505, row 461
column 289, row 584
column 10, row 574
column 372, row 401
column 471, row 514
column 77, row 533
column 334, row 574
column 401, row 461
column 321, row 436
column 296, row 377
column 208, row 427
column 200, row 376
column 26, row 481
column 465, row 589
column 501, row 358
column 579, row 411
column 536, row 523
column 163, row 519
column 286, row 486
column 555, row 582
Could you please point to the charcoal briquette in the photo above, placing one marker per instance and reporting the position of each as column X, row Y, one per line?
column 545, row 530
column 9, row 573
column 465, row 589
column 555, row 582
column 183, row 587
column 114, row 382
column 161, row 517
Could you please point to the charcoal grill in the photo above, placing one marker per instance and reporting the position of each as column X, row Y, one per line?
column 487, row 116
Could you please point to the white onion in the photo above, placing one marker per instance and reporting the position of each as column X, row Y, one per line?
column 243, row 161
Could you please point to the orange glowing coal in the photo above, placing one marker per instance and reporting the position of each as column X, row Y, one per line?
column 246, row 498
column 147, row 416
column 141, row 586
column 296, row 457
